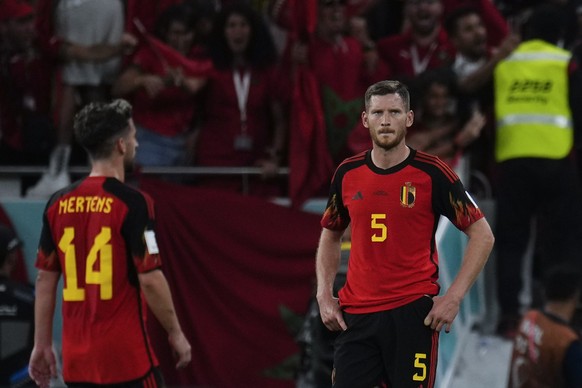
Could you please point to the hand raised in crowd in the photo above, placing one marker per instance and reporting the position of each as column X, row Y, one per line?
column 471, row 130
column 506, row 47
column 128, row 43
column 175, row 76
column 153, row 84
column 300, row 53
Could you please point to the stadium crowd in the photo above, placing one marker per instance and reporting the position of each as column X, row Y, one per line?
column 214, row 83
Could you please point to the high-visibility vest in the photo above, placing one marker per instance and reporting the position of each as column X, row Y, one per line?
column 531, row 103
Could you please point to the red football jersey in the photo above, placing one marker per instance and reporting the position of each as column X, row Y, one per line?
column 394, row 215
column 99, row 233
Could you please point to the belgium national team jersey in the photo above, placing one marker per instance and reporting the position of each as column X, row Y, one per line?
column 394, row 215
column 99, row 234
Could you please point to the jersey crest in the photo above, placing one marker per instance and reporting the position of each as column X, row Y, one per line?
column 407, row 195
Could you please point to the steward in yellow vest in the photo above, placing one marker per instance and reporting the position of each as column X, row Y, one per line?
column 531, row 103
column 537, row 183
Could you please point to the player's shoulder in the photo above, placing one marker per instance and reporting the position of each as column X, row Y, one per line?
column 131, row 195
column 350, row 164
column 433, row 165
column 63, row 192
column 354, row 161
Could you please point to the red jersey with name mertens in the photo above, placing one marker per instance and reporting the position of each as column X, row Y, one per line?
column 99, row 233
column 394, row 214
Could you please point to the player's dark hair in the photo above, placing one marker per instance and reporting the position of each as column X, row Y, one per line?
column 561, row 282
column 386, row 87
column 98, row 125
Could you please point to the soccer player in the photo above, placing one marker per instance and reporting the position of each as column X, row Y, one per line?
column 99, row 234
column 388, row 311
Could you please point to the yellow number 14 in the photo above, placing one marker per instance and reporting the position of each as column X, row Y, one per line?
column 101, row 253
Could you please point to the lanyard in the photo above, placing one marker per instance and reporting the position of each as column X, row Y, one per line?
column 242, row 85
column 420, row 65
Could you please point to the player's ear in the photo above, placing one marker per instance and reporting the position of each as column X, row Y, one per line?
column 121, row 145
column 365, row 119
column 409, row 118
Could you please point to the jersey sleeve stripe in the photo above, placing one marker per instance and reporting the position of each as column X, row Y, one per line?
column 356, row 158
column 426, row 158
column 360, row 156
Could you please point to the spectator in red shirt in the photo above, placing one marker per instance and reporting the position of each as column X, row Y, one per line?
column 494, row 22
column 344, row 65
column 26, row 127
column 423, row 45
column 243, row 121
column 163, row 97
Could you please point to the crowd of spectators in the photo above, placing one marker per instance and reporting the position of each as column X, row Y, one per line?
column 56, row 55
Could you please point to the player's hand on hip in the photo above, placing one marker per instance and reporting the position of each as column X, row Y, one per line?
column 331, row 314
column 443, row 313
column 42, row 366
column 182, row 349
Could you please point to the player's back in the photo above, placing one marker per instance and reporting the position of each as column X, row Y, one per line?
column 97, row 227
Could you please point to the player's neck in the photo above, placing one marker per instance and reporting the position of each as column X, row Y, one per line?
column 385, row 159
column 108, row 168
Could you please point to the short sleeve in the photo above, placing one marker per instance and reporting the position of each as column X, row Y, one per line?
column 335, row 216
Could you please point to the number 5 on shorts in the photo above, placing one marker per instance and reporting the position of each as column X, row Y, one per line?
column 420, row 363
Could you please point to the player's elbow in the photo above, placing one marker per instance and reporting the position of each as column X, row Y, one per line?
column 151, row 280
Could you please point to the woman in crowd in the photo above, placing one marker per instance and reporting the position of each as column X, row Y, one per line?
column 243, row 121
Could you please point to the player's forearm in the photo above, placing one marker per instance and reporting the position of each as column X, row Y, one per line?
column 477, row 252
column 44, row 307
column 327, row 262
column 159, row 299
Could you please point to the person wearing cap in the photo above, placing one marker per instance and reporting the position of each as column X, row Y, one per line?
column 16, row 316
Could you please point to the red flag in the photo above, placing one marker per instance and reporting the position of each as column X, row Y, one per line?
column 230, row 283
column 309, row 158
column 171, row 58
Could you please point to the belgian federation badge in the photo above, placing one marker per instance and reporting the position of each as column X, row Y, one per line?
column 407, row 195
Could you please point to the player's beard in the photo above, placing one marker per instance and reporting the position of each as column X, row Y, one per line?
column 387, row 143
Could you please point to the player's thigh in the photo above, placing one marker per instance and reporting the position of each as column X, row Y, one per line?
column 412, row 360
column 357, row 356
